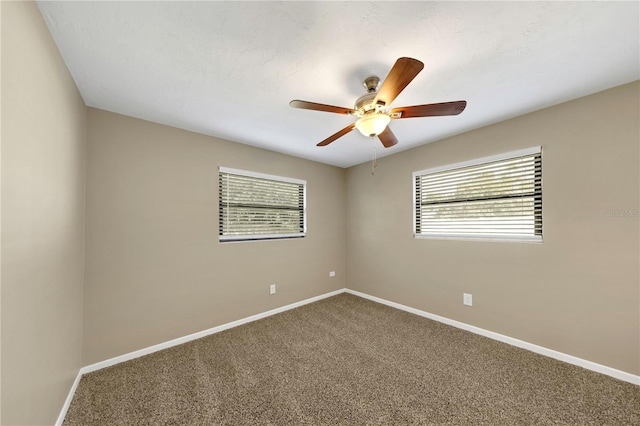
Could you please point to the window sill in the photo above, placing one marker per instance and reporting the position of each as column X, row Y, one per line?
column 493, row 238
column 250, row 238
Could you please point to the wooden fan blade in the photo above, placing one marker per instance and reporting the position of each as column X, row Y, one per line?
column 403, row 71
column 320, row 107
column 387, row 138
column 337, row 135
column 429, row 110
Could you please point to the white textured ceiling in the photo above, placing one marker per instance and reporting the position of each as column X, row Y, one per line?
column 229, row 69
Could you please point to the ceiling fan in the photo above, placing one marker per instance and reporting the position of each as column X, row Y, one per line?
column 373, row 110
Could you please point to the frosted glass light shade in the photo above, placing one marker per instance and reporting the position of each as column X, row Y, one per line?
column 373, row 124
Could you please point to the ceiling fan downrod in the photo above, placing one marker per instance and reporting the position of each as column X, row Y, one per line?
column 371, row 83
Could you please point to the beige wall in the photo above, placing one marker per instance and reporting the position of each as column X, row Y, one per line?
column 155, row 270
column 578, row 291
column 43, row 134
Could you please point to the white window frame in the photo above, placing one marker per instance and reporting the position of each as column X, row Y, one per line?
column 258, row 237
column 478, row 161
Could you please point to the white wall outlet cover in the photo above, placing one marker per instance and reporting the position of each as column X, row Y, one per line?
column 467, row 299
column 272, row 289
column 332, row 273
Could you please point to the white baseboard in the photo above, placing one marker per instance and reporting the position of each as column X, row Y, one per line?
column 155, row 348
column 589, row 365
column 599, row 368
column 67, row 401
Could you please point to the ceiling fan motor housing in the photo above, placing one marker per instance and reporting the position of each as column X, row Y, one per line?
column 364, row 105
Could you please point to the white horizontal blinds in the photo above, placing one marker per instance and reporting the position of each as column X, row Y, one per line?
column 497, row 199
column 254, row 207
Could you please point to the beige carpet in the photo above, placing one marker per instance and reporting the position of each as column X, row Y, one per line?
column 346, row 360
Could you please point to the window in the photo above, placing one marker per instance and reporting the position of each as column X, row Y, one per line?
column 496, row 197
column 255, row 206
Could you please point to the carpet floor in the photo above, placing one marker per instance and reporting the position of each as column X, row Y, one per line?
column 349, row 361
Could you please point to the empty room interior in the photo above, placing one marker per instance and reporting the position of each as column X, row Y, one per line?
column 189, row 238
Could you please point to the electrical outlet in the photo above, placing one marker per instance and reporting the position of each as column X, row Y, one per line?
column 332, row 273
column 467, row 299
column 272, row 289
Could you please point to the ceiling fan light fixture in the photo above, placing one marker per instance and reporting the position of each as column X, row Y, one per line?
column 373, row 124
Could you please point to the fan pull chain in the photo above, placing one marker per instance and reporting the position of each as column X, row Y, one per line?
column 374, row 163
